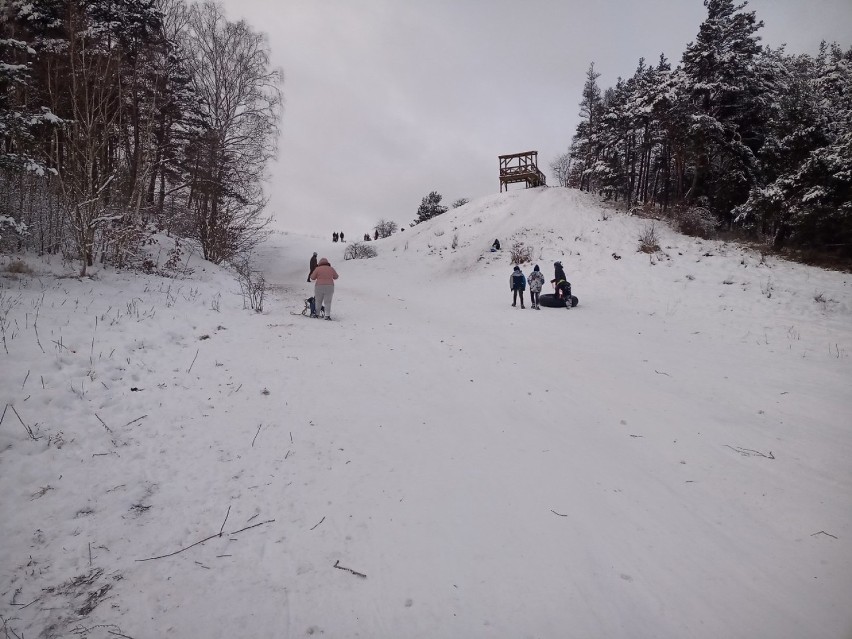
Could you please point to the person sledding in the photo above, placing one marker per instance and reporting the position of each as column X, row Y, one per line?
column 517, row 284
column 561, row 285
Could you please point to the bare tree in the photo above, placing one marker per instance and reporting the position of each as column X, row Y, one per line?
column 561, row 168
column 80, row 148
column 386, row 228
column 240, row 101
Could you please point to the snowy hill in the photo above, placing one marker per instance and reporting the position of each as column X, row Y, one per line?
column 670, row 459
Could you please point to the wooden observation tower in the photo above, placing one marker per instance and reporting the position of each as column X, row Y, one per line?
column 520, row 167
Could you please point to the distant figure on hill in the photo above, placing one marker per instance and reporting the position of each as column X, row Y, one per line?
column 536, row 281
column 334, row 236
column 376, row 236
column 495, row 246
column 313, row 265
column 517, row 284
column 324, row 276
column 341, row 236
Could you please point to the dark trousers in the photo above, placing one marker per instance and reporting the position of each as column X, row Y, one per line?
column 533, row 298
column 515, row 293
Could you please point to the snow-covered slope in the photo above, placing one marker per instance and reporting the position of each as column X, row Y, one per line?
column 669, row 459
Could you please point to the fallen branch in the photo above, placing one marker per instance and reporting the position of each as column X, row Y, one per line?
column 556, row 513
column 319, row 522
column 197, row 543
column 354, row 572
column 661, row 373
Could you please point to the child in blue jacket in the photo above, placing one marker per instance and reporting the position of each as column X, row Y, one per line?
column 517, row 284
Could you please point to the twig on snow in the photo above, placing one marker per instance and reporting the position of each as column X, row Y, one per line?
column 109, row 430
column 749, row 452
column 7, row 629
column 319, row 522
column 256, row 434
column 134, row 420
column 224, row 522
column 27, row 428
column 171, row 554
column 661, row 373
column 354, row 572
column 193, row 361
column 822, row 532
column 556, row 513
column 29, row 604
column 25, row 380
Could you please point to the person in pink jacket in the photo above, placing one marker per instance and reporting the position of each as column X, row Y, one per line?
column 324, row 276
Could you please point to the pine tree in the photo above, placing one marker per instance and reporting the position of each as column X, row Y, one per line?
column 584, row 147
column 430, row 206
column 724, row 98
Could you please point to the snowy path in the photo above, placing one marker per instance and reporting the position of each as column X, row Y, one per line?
column 494, row 472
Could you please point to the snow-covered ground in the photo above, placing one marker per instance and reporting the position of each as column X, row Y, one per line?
column 670, row 459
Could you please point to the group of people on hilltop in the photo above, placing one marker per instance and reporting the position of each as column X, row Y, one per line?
column 518, row 284
column 337, row 236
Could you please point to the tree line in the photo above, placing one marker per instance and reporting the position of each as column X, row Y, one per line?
column 738, row 134
column 118, row 118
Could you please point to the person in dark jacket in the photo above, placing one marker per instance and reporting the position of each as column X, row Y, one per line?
column 558, row 273
column 561, row 284
column 496, row 245
column 517, row 283
column 313, row 265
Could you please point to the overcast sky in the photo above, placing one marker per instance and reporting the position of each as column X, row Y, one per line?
column 387, row 100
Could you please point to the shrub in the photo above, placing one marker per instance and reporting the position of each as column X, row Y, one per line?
column 386, row 228
column 520, row 254
column 359, row 251
column 252, row 285
column 696, row 221
column 18, row 266
column 648, row 240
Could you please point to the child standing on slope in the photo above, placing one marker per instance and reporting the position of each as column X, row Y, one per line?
column 517, row 284
column 536, row 281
